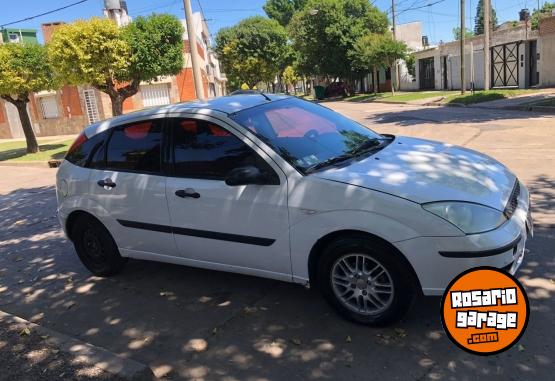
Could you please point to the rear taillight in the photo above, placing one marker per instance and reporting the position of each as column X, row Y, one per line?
column 82, row 138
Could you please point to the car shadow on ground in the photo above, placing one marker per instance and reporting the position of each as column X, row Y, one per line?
column 189, row 323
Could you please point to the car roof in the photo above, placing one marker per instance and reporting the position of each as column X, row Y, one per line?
column 228, row 104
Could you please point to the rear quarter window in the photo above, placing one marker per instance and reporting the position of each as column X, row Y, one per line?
column 81, row 152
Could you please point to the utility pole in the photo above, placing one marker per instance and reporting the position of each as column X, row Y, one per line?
column 487, row 59
column 193, row 48
column 394, row 30
column 463, row 30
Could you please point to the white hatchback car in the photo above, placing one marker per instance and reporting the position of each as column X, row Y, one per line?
column 281, row 188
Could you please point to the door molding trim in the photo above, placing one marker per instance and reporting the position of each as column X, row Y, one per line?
column 245, row 239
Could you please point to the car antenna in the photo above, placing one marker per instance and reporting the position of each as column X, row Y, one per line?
column 237, row 92
column 265, row 96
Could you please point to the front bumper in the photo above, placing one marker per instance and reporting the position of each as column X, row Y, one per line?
column 438, row 260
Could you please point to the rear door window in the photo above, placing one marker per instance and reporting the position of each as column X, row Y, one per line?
column 136, row 147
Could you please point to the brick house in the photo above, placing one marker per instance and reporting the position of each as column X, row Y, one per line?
column 71, row 108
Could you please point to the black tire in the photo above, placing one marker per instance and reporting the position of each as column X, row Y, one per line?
column 95, row 247
column 402, row 280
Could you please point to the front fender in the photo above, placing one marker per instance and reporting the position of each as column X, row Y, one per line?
column 306, row 233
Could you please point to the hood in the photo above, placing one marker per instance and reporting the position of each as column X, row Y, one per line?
column 425, row 171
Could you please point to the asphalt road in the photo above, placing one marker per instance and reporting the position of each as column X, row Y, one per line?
column 188, row 323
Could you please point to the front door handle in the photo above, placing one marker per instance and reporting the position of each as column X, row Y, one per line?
column 189, row 192
column 106, row 183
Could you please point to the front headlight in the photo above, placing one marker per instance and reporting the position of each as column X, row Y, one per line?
column 468, row 217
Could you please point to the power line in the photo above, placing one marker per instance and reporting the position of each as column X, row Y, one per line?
column 43, row 14
column 420, row 7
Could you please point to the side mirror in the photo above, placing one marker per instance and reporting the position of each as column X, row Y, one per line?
column 245, row 176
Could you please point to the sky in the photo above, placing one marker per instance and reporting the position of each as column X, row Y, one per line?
column 438, row 20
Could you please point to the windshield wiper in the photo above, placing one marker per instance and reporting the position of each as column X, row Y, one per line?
column 370, row 145
column 328, row 162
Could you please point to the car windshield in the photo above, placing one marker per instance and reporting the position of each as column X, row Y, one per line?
column 307, row 135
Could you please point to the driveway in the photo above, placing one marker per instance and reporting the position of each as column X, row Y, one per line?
column 188, row 323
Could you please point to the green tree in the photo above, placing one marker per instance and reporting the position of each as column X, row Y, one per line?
column 457, row 33
column 24, row 69
column 290, row 78
column 253, row 50
column 364, row 56
column 538, row 14
column 479, row 20
column 282, row 10
column 410, row 62
column 324, row 33
column 389, row 50
column 116, row 60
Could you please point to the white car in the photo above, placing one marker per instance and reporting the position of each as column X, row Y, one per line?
column 281, row 188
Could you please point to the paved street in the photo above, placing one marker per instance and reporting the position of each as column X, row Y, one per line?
column 188, row 323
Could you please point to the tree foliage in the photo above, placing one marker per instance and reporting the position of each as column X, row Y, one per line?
column 282, row 10
column 410, row 62
column 290, row 77
column 479, row 20
column 324, row 33
column 457, row 33
column 388, row 51
column 116, row 60
column 24, row 69
column 538, row 14
column 253, row 50
column 156, row 44
column 373, row 51
column 364, row 53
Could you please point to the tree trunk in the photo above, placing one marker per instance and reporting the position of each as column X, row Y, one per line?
column 375, row 80
column 117, row 104
column 32, row 145
column 118, row 95
column 392, row 81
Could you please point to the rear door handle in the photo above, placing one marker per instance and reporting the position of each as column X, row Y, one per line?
column 189, row 192
column 106, row 183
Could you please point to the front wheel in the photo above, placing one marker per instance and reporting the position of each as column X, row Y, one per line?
column 365, row 281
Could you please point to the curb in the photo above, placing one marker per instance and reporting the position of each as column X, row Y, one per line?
column 34, row 164
column 100, row 358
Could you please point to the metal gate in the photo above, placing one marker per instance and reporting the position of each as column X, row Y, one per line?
column 427, row 73
column 504, row 65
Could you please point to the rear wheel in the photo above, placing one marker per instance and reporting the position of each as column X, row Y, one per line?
column 96, row 247
column 365, row 281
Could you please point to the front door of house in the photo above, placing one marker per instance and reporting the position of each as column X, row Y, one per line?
column 427, row 75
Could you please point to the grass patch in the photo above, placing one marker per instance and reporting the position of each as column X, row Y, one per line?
column 307, row 97
column 402, row 97
column 486, row 96
column 48, row 150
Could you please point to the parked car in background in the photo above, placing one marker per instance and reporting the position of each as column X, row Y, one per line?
column 281, row 188
column 335, row 89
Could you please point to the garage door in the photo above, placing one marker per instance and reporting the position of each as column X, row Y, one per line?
column 156, row 94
